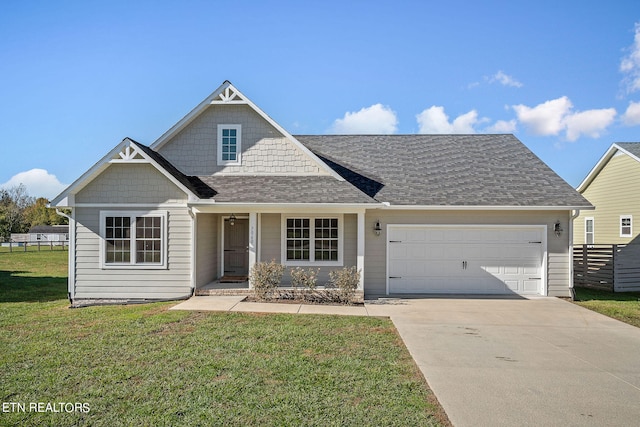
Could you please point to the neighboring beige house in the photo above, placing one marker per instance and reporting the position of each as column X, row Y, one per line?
column 227, row 187
column 613, row 187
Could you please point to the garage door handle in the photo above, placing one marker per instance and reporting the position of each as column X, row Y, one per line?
column 535, row 278
column 535, row 242
column 395, row 277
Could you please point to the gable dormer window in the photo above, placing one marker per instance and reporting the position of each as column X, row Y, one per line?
column 229, row 144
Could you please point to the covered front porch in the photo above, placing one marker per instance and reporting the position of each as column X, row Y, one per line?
column 227, row 243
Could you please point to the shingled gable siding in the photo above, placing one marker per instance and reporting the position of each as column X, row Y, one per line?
column 613, row 192
column 116, row 185
column 264, row 150
column 131, row 183
column 558, row 259
column 271, row 244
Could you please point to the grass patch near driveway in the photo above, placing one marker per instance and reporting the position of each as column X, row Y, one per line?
column 145, row 365
column 624, row 306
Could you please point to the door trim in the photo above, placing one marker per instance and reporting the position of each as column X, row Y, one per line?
column 543, row 291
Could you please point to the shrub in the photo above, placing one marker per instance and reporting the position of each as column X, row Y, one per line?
column 306, row 279
column 346, row 282
column 265, row 278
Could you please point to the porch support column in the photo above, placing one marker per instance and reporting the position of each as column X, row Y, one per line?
column 360, row 250
column 253, row 247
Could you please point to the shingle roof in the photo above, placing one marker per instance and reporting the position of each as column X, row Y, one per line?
column 426, row 170
column 283, row 189
column 632, row 147
column 49, row 229
column 445, row 170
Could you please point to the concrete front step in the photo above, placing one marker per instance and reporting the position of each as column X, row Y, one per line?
column 232, row 291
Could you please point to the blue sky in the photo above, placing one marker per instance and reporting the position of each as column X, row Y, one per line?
column 76, row 77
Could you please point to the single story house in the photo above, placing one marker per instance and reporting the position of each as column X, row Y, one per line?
column 613, row 186
column 227, row 187
column 43, row 233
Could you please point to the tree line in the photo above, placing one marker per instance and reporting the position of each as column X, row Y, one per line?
column 19, row 212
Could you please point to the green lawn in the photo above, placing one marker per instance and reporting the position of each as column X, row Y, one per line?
column 623, row 306
column 144, row 365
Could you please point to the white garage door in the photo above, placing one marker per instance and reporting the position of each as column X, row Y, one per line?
column 465, row 260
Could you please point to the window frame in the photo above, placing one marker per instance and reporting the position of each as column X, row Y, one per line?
column 592, row 232
column 630, row 218
column 132, row 264
column 312, row 239
column 238, row 129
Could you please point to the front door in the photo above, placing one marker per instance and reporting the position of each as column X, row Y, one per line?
column 236, row 248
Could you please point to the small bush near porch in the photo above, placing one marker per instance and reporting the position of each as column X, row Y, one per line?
column 266, row 278
column 145, row 365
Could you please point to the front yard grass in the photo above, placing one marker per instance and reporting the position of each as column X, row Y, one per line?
column 624, row 306
column 145, row 365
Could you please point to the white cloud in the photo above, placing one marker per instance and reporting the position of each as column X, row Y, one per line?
column 557, row 115
column 504, row 79
column 631, row 117
column 590, row 123
column 630, row 64
column 434, row 120
column 376, row 119
column 39, row 183
column 502, row 126
column 546, row 118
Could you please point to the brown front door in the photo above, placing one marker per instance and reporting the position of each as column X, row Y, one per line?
column 236, row 248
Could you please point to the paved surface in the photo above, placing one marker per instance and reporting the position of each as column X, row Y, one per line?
column 506, row 362
column 538, row 362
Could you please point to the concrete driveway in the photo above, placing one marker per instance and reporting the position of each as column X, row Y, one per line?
column 517, row 362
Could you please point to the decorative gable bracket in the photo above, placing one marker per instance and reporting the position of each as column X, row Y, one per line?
column 128, row 154
column 228, row 96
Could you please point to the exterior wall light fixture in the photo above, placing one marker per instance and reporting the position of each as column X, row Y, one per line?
column 557, row 229
column 376, row 228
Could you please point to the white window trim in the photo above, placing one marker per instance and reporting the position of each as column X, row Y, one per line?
column 593, row 230
column 312, row 262
column 630, row 218
column 132, row 264
column 238, row 160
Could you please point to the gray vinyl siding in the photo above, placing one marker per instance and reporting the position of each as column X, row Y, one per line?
column 92, row 281
column 271, row 244
column 558, row 261
column 207, row 244
column 264, row 149
column 130, row 183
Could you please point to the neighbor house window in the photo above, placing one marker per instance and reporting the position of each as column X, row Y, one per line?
column 626, row 225
column 229, row 144
column 312, row 240
column 133, row 239
column 588, row 231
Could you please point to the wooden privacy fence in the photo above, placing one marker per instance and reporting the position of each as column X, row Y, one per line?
column 615, row 268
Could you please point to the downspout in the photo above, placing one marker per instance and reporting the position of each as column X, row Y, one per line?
column 571, row 288
column 71, row 265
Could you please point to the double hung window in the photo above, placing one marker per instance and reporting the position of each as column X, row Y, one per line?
column 133, row 239
column 312, row 240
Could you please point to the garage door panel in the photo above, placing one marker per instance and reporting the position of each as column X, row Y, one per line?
column 486, row 260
